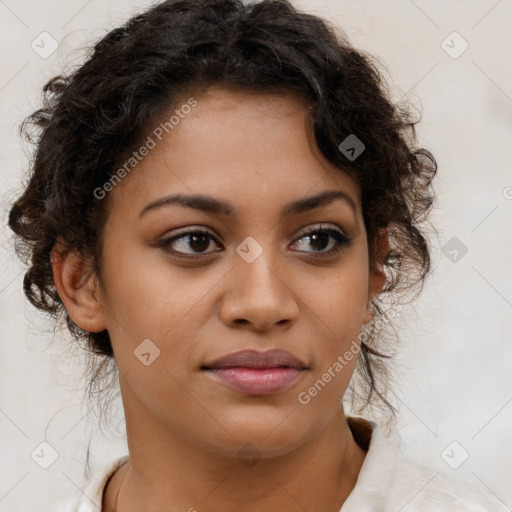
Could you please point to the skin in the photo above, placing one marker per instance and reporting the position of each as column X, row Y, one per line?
column 184, row 428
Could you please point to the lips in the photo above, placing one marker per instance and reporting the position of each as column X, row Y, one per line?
column 273, row 358
column 257, row 373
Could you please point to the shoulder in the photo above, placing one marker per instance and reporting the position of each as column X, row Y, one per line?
column 425, row 489
column 90, row 498
column 390, row 482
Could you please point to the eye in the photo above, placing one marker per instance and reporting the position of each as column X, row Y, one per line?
column 195, row 242
column 195, row 239
column 323, row 238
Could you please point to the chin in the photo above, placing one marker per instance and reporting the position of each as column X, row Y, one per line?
column 272, row 435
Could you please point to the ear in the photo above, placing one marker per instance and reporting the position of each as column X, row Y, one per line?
column 76, row 282
column 378, row 278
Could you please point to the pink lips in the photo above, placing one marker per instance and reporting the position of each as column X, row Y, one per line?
column 257, row 373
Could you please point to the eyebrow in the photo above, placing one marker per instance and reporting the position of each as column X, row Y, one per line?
column 215, row 206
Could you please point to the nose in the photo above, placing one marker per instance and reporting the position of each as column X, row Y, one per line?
column 259, row 296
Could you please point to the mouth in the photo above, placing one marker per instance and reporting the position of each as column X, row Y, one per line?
column 257, row 373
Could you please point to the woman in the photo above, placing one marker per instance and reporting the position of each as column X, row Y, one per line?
column 224, row 203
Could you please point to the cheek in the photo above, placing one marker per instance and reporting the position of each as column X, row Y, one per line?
column 338, row 311
column 340, row 298
column 153, row 313
column 144, row 299
column 338, row 308
column 144, row 291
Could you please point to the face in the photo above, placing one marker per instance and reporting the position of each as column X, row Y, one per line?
column 253, row 266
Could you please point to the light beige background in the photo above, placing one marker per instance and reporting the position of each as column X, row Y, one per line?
column 455, row 382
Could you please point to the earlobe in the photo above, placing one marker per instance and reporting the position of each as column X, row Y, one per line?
column 377, row 282
column 368, row 314
column 75, row 282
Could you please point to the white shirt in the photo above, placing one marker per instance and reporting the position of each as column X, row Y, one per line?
column 387, row 482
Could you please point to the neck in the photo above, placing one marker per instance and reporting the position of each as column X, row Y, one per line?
column 165, row 472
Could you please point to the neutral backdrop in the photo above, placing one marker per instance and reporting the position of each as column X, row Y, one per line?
column 454, row 383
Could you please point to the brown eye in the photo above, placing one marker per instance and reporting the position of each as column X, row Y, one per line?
column 324, row 241
column 189, row 243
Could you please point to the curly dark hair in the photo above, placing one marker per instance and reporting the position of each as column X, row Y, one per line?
column 97, row 114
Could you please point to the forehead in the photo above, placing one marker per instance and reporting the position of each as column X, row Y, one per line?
column 238, row 145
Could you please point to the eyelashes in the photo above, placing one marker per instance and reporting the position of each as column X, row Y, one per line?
column 319, row 236
column 195, row 236
column 201, row 240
